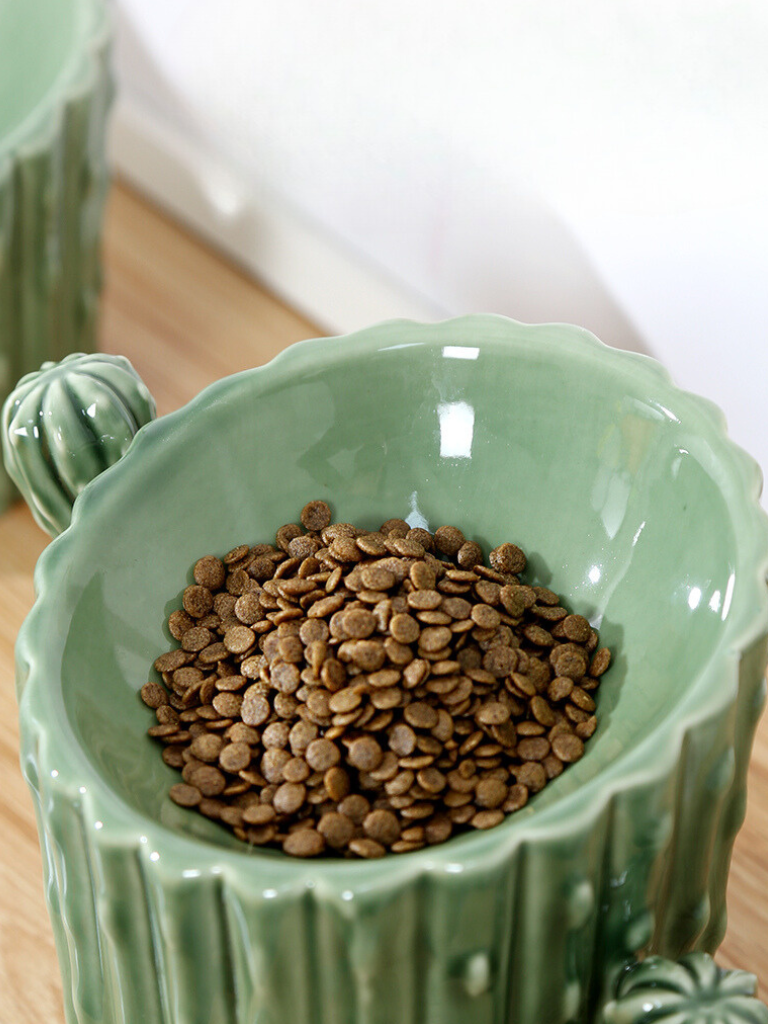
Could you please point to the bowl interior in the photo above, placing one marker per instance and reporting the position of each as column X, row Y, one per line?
column 530, row 438
column 39, row 41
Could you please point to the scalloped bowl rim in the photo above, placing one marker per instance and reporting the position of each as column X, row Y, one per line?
column 747, row 621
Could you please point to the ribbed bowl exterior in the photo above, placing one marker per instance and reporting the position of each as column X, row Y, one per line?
column 537, row 936
column 52, row 188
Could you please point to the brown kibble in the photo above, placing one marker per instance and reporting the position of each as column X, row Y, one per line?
column 344, row 701
column 196, row 639
column 296, row 770
column 367, row 848
column 512, row 601
column 493, row 713
column 488, row 592
column 569, row 661
column 402, row 740
column 420, row 715
column 532, row 775
column 325, row 606
column 490, row 793
column 336, row 829
column 315, row 516
column 289, row 797
column 236, row 554
column 322, row 754
column 301, row 735
column 484, row 616
column 430, row 779
column 154, row 695
column 508, row 558
column 422, row 576
column 173, row 757
column 272, row 763
column 448, row 540
column 259, row 814
column 359, row 623
column 364, row 753
column 305, row 843
column 276, row 735
column 184, row 795
column 209, row 572
column 568, row 747
column 394, row 528
column 542, row 712
column 351, row 691
column 487, row 819
column 235, row 756
column 469, row 555
column 582, row 699
column 434, row 638
column 197, row 601
column 355, row 806
column 500, row 661
column 577, row 628
column 336, row 782
column 404, row 628
column 533, row 748
column 376, row 577
column 382, row 826
column 207, row 747
column 517, row 797
column 240, row 733
column 179, row 622
column 559, row 688
column 239, row 639
column 318, row 704
column 255, row 710
column 209, row 780
column 248, row 609
column 539, row 636
column 601, row 659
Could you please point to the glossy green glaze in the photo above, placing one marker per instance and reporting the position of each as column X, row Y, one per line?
column 55, row 92
column 631, row 501
column 692, row 991
column 67, row 422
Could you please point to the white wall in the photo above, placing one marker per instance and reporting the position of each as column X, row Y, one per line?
column 602, row 162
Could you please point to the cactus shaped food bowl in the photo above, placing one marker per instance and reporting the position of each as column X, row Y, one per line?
column 631, row 502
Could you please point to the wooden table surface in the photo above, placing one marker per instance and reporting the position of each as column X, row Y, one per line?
column 185, row 317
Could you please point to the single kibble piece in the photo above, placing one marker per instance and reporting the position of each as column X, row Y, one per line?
column 197, row 601
column 184, row 795
column 209, row 572
column 315, row 516
column 507, row 558
column 304, row 843
column 364, row 753
column 153, row 695
column 353, row 693
column 336, row 829
column 382, row 826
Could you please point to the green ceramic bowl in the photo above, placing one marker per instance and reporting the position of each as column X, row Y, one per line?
column 631, row 501
column 55, row 93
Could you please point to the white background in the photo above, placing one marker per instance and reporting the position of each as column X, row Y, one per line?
column 604, row 163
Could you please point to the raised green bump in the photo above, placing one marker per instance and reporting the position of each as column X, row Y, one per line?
column 65, row 424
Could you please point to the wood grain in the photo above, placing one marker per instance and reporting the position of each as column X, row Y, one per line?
column 185, row 317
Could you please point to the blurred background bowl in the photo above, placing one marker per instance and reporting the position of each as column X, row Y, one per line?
column 55, row 93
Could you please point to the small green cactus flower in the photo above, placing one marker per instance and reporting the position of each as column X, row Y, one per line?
column 65, row 424
column 692, row 990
